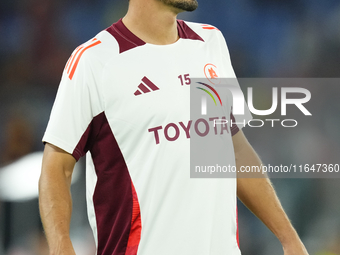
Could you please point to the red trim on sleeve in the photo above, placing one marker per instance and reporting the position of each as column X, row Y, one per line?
column 237, row 233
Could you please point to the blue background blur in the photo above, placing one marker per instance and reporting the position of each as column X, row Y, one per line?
column 266, row 38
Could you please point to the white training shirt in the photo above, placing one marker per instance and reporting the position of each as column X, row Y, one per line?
column 125, row 103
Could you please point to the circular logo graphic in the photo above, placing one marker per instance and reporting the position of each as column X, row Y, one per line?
column 211, row 73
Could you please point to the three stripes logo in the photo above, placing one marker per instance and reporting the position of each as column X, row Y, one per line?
column 73, row 61
column 145, row 87
column 204, row 101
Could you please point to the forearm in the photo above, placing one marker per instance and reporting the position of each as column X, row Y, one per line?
column 55, row 204
column 259, row 196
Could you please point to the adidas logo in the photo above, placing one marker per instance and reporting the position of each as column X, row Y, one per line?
column 145, row 87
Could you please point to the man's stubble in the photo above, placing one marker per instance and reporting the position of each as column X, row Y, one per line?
column 185, row 5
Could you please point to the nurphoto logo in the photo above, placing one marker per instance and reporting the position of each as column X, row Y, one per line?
column 239, row 104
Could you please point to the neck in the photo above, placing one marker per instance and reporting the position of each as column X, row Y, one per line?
column 152, row 21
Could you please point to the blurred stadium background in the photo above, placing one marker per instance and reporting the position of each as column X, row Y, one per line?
column 266, row 38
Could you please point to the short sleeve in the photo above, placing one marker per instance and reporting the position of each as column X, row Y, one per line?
column 76, row 104
column 239, row 114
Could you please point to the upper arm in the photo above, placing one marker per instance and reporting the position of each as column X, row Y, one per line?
column 245, row 157
column 240, row 143
column 57, row 162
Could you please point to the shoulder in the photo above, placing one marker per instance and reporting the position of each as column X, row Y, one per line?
column 205, row 31
column 91, row 55
column 102, row 47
